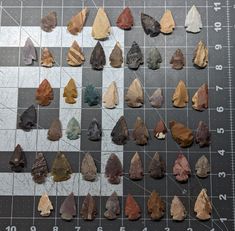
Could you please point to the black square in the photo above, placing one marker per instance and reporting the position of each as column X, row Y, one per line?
column 31, row 16
column 10, row 56
column 10, row 16
column 88, row 145
column 23, row 206
column 88, row 115
column 91, row 76
column 5, row 210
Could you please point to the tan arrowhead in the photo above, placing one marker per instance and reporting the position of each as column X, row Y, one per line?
column 110, row 97
column 101, row 27
column 76, row 23
column 167, row 22
column 180, row 96
column 116, row 58
column 178, row 211
column 75, row 56
column 47, row 59
column 44, row 205
column 200, row 58
column 200, row 98
column 70, row 92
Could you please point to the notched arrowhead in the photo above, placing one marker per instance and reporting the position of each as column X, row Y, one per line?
column 180, row 96
column 101, row 27
column 116, row 58
column 181, row 134
column 132, row 209
column 61, row 169
column 200, row 58
column 88, row 168
column 45, row 205
column 68, row 208
column 203, row 206
column 39, row 169
column 178, row 211
column 156, row 207
column 202, row 167
column 47, row 58
column 94, row 131
column 151, row 26
column 49, row 22
column 136, row 171
column 44, row 93
column 88, row 210
column 112, row 207
column 18, row 160
column 178, row 60
column 157, row 167
column 70, row 92
column 203, row 135
column 193, row 21
column 125, row 20
column 134, row 57
column 28, row 119
column 92, row 96
column 29, row 52
column 120, row 132
column 181, row 168
column 77, row 22
column 73, row 130
column 160, row 130
column 75, row 56
column 200, row 98
column 135, row 94
column 154, row 59
column 113, row 169
column 156, row 100
column 110, row 97
column 55, row 131
column 97, row 59
column 167, row 22
column 140, row 132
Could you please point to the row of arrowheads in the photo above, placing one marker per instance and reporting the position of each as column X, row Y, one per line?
column 101, row 29
column 61, row 170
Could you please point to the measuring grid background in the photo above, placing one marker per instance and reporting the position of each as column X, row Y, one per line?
column 19, row 195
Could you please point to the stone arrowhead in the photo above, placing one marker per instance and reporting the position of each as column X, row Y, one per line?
column 49, row 22
column 150, row 25
column 75, row 56
column 134, row 57
column 94, row 131
column 68, row 208
column 202, row 167
column 116, row 57
column 47, row 59
column 18, row 160
column 45, row 205
column 193, row 21
column 70, row 92
column 180, row 96
column 136, row 171
column 178, row 60
column 200, row 58
column 140, row 132
column 55, row 131
column 160, row 130
column 125, row 20
column 154, row 59
column 167, row 22
column 28, row 119
column 73, row 130
column 44, row 93
column 157, row 167
column 112, row 207
column 178, row 211
column 200, row 98
column 88, row 210
column 203, row 135
column 156, row 100
column 97, row 59
column 88, row 168
column 29, row 52
column 132, row 209
column 92, row 96
column 110, row 97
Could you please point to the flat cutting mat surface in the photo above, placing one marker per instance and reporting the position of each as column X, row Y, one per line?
column 19, row 195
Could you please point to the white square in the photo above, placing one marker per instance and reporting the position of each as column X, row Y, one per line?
column 7, row 140
column 32, row 32
column 10, row 36
column 52, row 75
column 68, row 39
column 49, row 187
column 107, row 143
column 27, row 140
column 116, row 34
column 113, row 74
column 8, row 118
column 107, row 189
column 23, row 184
column 52, row 39
column 67, row 145
column 29, row 77
column 8, row 77
column 9, row 97
column 110, row 117
column 6, row 179
column 71, row 72
column 64, row 188
column 76, row 105
column 92, row 187
column 43, row 144
column 67, row 114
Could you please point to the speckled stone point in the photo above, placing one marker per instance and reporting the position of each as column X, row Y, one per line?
column 116, row 57
column 88, row 168
column 154, row 59
column 101, row 27
column 200, row 58
column 45, row 205
column 88, row 210
column 44, row 93
column 202, row 167
column 70, row 92
column 18, row 160
column 178, row 60
column 49, row 22
column 120, row 132
column 136, row 171
column 140, row 132
column 112, row 207
column 61, row 169
column 113, row 169
column 29, row 52
column 150, row 26
column 200, row 98
column 97, row 59
column 132, row 209
column 75, row 56
column 125, row 20
column 203, row 206
column 77, row 22
column 94, row 131
column 68, row 208
column 180, row 96
column 193, row 21
column 28, row 119
column 47, row 58
column 55, row 131
column 157, row 167
column 167, row 22
column 178, row 211
column 181, row 168
column 134, row 57
column 92, row 96
column 73, row 130
column 39, row 169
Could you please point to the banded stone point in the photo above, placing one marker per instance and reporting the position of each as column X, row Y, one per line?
column 75, row 56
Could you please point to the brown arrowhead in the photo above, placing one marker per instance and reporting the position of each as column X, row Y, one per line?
column 200, row 98
column 75, row 56
column 88, row 168
column 68, row 208
column 116, row 58
column 140, row 132
column 88, row 210
column 132, row 209
column 157, row 167
column 18, row 160
column 44, row 93
column 177, row 60
column 49, row 22
column 181, row 134
column 200, row 58
column 112, row 207
column 47, row 59
column 44, row 205
column 70, row 92
column 167, row 22
column 203, row 135
column 125, row 19
column 77, row 22
column 136, row 171
column 55, row 131
column 180, row 96
column 156, row 207
column 160, row 130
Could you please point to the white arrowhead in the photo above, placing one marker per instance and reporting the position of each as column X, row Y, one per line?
column 193, row 21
